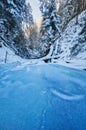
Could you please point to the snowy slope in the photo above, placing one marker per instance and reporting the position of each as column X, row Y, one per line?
column 11, row 57
column 68, row 46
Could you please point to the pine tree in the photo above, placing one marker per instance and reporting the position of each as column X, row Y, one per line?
column 33, row 37
column 51, row 23
column 28, row 14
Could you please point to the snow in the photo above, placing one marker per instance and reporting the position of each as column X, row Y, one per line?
column 66, row 42
column 39, row 96
column 11, row 2
column 78, row 64
column 42, row 97
column 67, row 97
column 35, row 95
column 11, row 57
column 70, row 36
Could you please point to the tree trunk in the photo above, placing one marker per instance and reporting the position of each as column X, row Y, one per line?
column 6, row 56
column 77, row 20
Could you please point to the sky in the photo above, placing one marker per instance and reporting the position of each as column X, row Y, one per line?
column 36, row 11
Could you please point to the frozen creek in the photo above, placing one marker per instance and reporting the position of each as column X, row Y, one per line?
column 42, row 97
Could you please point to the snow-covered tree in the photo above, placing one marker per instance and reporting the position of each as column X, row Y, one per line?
column 51, row 23
column 33, row 37
column 28, row 14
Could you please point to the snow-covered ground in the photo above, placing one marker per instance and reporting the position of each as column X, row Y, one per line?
column 77, row 64
column 11, row 58
column 42, row 97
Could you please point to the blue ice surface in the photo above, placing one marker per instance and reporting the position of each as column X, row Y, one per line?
column 42, row 97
